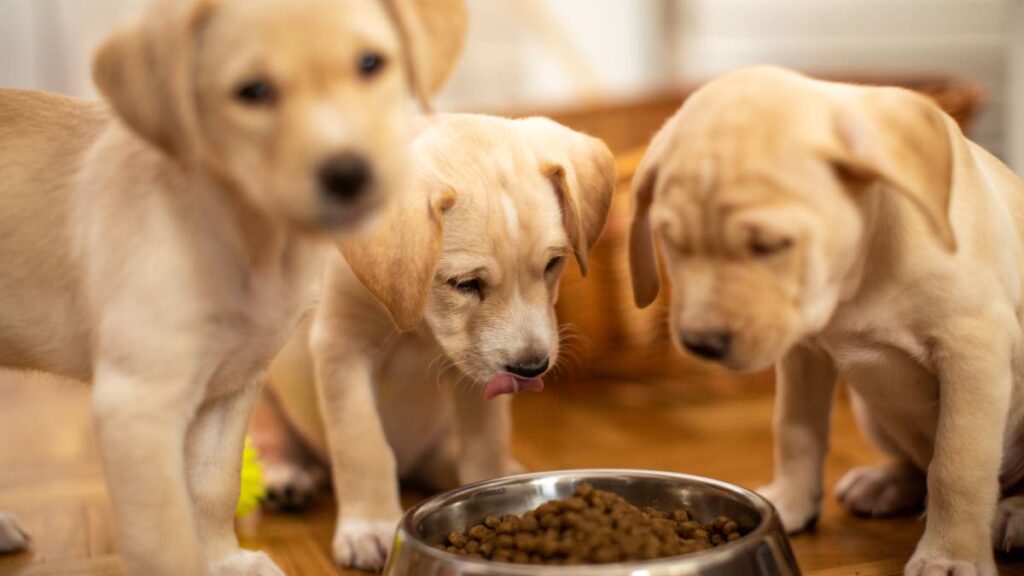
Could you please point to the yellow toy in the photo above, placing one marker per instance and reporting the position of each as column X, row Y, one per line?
column 252, row 493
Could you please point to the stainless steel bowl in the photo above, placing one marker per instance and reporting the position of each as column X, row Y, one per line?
column 764, row 551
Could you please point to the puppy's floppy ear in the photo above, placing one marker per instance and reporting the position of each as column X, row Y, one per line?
column 582, row 171
column 643, row 262
column 903, row 140
column 145, row 72
column 397, row 257
column 432, row 33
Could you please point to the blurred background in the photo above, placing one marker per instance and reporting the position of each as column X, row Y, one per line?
column 533, row 55
column 617, row 69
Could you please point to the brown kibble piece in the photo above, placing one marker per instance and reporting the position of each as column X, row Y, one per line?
column 590, row 527
column 529, row 523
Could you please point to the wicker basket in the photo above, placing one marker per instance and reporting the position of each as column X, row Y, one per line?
column 616, row 340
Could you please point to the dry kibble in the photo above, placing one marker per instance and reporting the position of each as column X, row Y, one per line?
column 529, row 522
column 590, row 527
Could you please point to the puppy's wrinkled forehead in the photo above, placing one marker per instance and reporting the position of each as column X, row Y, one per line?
column 745, row 141
column 297, row 41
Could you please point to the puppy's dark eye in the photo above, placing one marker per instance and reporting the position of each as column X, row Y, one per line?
column 762, row 247
column 472, row 286
column 370, row 64
column 553, row 264
column 256, row 93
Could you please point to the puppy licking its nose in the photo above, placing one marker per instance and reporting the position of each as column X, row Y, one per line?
column 470, row 272
column 517, row 378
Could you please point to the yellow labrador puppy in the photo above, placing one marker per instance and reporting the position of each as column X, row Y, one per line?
column 513, row 201
column 854, row 232
column 162, row 246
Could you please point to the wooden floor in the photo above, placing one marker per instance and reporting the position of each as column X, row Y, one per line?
column 50, row 476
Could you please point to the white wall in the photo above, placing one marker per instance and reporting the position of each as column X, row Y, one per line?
column 48, row 44
column 511, row 59
column 967, row 38
column 1015, row 94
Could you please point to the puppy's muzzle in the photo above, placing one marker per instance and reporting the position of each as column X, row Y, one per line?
column 709, row 345
column 345, row 178
column 528, row 369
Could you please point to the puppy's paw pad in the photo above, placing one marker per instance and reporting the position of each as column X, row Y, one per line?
column 798, row 509
column 245, row 563
column 289, row 487
column 12, row 537
column 925, row 564
column 1009, row 528
column 364, row 544
column 879, row 491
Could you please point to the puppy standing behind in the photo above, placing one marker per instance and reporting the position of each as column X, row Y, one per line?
column 163, row 249
column 513, row 200
column 852, row 231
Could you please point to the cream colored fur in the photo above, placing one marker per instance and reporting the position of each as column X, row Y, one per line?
column 854, row 232
column 164, row 246
column 517, row 198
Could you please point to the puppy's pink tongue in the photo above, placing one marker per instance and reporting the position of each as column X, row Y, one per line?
column 509, row 384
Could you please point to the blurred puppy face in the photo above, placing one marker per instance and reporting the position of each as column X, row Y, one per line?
column 303, row 104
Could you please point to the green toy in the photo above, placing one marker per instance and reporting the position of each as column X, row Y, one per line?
column 252, row 493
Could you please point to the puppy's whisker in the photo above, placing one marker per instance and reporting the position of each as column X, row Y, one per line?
column 445, row 365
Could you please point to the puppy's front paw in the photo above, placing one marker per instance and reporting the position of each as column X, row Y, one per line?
column 364, row 544
column 927, row 562
column 879, row 491
column 798, row 509
column 245, row 563
column 1009, row 529
column 12, row 537
column 289, row 487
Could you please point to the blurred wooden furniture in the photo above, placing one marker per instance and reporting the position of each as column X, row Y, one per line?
column 616, row 340
column 50, row 475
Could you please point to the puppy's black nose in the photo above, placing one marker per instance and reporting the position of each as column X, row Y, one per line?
column 529, row 368
column 344, row 178
column 710, row 345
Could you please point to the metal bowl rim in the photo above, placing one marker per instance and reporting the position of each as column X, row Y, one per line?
column 765, row 528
